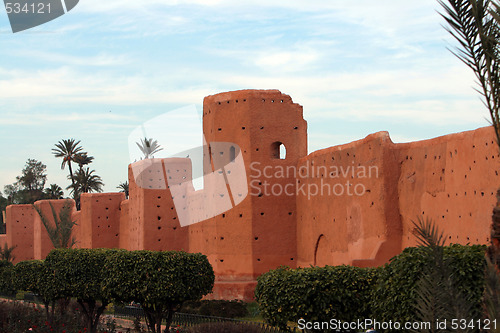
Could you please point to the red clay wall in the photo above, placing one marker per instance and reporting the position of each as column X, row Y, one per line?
column 41, row 241
column 347, row 204
column 450, row 179
column 153, row 221
column 453, row 180
column 259, row 233
column 77, row 233
column 20, row 231
column 100, row 220
column 3, row 240
column 124, row 225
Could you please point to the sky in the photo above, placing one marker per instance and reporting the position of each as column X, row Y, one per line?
column 103, row 70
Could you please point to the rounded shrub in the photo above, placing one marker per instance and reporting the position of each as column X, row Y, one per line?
column 315, row 294
column 159, row 281
column 396, row 293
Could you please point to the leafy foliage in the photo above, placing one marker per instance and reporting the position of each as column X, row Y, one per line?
column 315, row 294
column 437, row 296
column 79, row 273
column 492, row 293
column 86, row 182
column 159, row 281
column 34, row 276
column 6, row 252
column 62, row 226
column 21, row 318
column 28, row 276
column 54, row 191
column 6, row 278
column 149, row 147
column 124, row 187
column 474, row 24
column 28, row 187
column 397, row 290
column 67, row 149
column 216, row 308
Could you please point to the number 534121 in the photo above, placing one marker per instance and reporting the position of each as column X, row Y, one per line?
column 33, row 8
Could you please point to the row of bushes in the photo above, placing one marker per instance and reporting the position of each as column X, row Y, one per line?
column 216, row 308
column 159, row 281
column 21, row 318
column 346, row 293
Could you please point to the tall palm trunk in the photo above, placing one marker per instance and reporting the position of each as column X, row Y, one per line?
column 76, row 197
column 71, row 173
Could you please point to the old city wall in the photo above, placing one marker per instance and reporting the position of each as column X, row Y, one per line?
column 450, row 179
column 152, row 222
column 259, row 233
column 20, row 231
column 348, row 204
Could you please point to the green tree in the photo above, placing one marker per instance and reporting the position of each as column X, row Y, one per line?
column 33, row 275
column 82, row 159
column 159, row 281
column 123, row 187
column 86, row 182
column 28, row 187
column 54, row 191
column 6, row 253
column 149, row 147
column 475, row 24
column 60, row 231
column 438, row 298
column 33, row 176
column 6, row 278
column 67, row 150
column 79, row 273
column 11, row 192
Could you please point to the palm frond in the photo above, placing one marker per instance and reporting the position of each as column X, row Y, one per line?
column 427, row 233
column 61, row 228
column 492, row 292
column 437, row 297
column 149, row 147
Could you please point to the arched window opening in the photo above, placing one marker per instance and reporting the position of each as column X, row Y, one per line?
column 278, row 150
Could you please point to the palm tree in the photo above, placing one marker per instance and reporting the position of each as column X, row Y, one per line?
column 86, row 182
column 6, row 253
column 67, row 149
column 60, row 230
column 54, row 192
column 475, row 24
column 149, row 147
column 82, row 159
column 124, row 188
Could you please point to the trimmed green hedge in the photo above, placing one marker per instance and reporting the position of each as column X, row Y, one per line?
column 347, row 293
column 6, row 280
column 159, row 281
column 216, row 308
column 396, row 292
column 315, row 294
